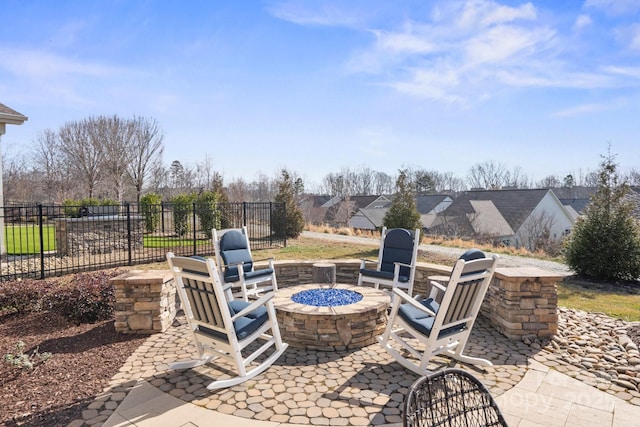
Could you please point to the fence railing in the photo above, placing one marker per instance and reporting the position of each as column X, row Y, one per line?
column 51, row 240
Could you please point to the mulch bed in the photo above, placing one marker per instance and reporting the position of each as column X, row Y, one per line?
column 55, row 391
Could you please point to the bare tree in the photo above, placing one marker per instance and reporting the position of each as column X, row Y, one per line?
column 550, row 181
column 537, row 233
column 489, row 175
column 116, row 138
column 48, row 160
column 146, row 152
column 83, row 152
column 451, row 184
column 384, row 184
column 18, row 182
column 239, row 190
column 516, row 178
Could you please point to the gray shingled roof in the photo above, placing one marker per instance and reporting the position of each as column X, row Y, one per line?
column 425, row 203
column 514, row 205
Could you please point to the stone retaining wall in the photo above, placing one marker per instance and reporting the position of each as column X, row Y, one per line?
column 97, row 235
column 521, row 303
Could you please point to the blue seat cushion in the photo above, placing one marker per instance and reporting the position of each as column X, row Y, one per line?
column 423, row 322
column 243, row 326
column 258, row 273
column 383, row 275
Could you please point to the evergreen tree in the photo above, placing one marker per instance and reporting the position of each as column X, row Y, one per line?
column 403, row 212
column 605, row 242
column 287, row 220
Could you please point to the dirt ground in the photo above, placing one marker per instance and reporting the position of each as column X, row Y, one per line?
column 56, row 391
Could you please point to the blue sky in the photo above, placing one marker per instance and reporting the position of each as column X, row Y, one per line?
column 316, row 86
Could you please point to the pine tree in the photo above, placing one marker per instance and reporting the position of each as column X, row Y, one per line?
column 605, row 242
column 288, row 220
column 403, row 212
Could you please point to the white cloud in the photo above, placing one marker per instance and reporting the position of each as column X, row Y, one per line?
column 405, row 42
column 303, row 14
column 614, row 7
column 582, row 21
column 485, row 13
column 45, row 65
column 501, row 43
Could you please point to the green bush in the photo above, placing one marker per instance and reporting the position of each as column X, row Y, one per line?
column 207, row 211
column 150, row 207
column 605, row 243
column 182, row 208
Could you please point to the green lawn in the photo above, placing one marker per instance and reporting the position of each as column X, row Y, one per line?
column 25, row 240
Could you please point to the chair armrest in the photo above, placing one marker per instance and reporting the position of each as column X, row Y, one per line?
column 256, row 304
column 402, row 264
column 435, row 288
column 414, row 303
column 364, row 261
column 263, row 259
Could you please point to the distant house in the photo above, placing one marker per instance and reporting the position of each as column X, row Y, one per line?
column 575, row 199
column 429, row 205
column 312, row 209
column 371, row 217
column 513, row 217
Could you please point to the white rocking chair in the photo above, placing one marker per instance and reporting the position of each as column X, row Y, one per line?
column 223, row 328
column 396, row 265
column 440, row 328
column 236, row 265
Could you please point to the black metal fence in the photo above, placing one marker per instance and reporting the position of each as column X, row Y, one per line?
column 41, row 241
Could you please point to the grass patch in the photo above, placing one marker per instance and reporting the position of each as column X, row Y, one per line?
column 307, row 249
column 25, row 239
column 618, row 303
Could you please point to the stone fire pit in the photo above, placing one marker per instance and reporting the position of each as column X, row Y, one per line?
column 331, row 317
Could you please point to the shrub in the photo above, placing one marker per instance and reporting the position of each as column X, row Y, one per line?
column 22, row 360
column 182, row 205
column 23, row 296
column 88, row 297
column 150, row 206
column 207, row 210
column 605, row 243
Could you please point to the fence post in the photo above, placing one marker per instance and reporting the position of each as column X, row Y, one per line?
column 194, row 230
column 162, row 216
column 129, row 232
column 40, row 227
column 244, row 213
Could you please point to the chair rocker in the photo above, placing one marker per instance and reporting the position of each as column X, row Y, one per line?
column 439, row 328
column 450, row 397
column 396, row 265
column 233, row 256
column 223, row 328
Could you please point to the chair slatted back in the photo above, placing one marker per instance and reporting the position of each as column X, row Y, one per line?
column 199, row 287
column 466, row 289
